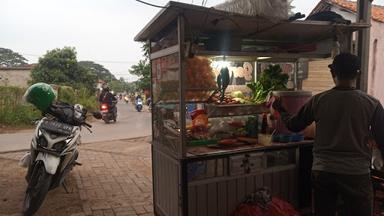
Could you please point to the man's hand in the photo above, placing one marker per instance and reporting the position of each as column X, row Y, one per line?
column 377, row 159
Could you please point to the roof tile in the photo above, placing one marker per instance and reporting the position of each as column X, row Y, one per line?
column 377, row 10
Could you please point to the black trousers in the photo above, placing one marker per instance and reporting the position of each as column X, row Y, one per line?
column 346, row 195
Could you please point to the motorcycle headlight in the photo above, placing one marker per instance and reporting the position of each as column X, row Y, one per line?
column 59, row 146
column 42, row 141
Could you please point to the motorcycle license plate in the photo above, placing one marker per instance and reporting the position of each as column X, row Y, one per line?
column 57, row 127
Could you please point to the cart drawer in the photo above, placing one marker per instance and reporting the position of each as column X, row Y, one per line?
column 247, row 163
column 257, row 162
column 281, row 158
column 236, row 165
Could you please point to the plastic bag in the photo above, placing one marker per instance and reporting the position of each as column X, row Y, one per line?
column 276, row 9
column 276, row 207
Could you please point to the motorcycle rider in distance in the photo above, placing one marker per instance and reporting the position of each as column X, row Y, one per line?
column 139, row 103
column 107, row 97
column 138, row 97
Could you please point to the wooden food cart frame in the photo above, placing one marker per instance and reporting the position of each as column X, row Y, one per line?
column 215, row 182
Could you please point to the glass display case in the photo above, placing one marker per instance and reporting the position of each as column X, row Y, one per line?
column 210, row 145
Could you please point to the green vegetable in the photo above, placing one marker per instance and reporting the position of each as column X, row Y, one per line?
column 237, row 94
column 272, row 79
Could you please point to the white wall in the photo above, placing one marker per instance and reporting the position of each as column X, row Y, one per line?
column 376, row 60
column 15, row 77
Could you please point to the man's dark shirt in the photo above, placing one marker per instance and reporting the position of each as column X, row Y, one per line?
column 345, row 120
column 106, row 97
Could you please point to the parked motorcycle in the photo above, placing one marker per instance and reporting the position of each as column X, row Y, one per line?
column 108, row 112
column 53, row 152
column 139, row 104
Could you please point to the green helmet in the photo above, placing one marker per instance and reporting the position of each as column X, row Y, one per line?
column 41, row 95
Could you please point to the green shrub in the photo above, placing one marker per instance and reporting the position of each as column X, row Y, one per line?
column 15, row 112
column 21, row 114
column 66, row 94
column 87, row 99
column 81, row 96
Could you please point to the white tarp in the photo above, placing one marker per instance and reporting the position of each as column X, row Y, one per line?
column 273, row 9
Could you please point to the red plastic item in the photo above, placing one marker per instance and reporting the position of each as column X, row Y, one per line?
column 198, row 112
column 276, row 207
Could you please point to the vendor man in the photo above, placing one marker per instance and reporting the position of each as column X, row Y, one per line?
column 345, row 119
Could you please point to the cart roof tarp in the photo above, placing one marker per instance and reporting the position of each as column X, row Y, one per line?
column 210, row 20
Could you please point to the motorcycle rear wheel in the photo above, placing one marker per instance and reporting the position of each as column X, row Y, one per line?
column 37, row 189
column 106, row 119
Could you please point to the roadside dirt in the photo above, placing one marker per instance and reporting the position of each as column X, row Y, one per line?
column 14, row 129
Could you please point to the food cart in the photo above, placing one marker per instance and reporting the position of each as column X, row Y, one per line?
column 194, row 172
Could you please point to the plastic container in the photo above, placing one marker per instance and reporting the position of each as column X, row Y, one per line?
column 284, row 138
column 265, row 139
column 292, row 102
column 297, row 137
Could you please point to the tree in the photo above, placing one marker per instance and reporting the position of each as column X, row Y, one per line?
column 97, row 69
column 143, row 69
column 60, row 66
column 118, row 85
column 131, row 87
column 8, row 58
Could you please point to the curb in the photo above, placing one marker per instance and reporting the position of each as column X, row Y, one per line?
column 88, row 143
column 111, row 140
column 14, row 151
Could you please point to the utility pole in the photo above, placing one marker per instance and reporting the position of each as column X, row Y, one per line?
column 363, row 42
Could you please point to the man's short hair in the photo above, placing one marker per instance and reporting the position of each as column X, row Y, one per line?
column 345, row 66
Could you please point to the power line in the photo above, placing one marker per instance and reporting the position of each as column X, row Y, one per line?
column 150, row 4
column 94, row 60
column 116, row 62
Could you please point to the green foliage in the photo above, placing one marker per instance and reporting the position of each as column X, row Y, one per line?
column 21, row 114
column 118, row 85
column 15, row 112
column 66, row 94
column 143, row 70
column 272, row 79
column 81, row 96
column 97, row 69
column 131, row 87
column 87, row 99
column 8, row 58
column 60, row 66
column 12, row 110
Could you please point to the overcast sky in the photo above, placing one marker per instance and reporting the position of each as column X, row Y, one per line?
column 100, row 30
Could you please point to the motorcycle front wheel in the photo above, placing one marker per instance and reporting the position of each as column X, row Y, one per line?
column 37, row 189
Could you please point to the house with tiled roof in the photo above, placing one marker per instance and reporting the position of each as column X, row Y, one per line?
column 320, row 79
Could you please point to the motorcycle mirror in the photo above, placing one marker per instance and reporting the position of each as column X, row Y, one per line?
column 97, row 115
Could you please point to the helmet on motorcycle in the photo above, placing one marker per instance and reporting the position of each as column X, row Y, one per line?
column 41, row 95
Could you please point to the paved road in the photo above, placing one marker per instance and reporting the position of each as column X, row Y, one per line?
column 130, row 124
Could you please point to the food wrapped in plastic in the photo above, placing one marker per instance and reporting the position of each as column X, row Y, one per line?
column 276, row 9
